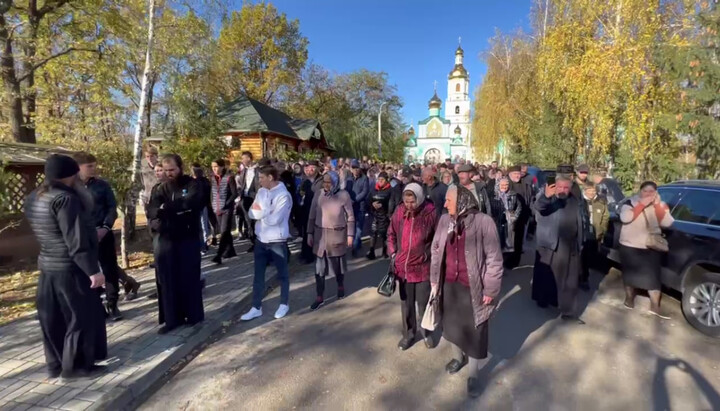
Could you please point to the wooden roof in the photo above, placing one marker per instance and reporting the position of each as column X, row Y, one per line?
column 247, row 115
column 14, row 154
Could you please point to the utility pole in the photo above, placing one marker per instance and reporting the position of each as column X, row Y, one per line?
column 380, row 129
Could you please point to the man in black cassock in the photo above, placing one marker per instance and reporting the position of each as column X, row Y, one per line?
column 69, row 308
column 174, row 213
column 561, row 229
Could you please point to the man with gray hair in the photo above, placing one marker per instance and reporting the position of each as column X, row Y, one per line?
column 562, row 227
column 434, row 190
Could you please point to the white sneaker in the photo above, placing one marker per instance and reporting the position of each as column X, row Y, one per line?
column 282, row 311
column 253, row 313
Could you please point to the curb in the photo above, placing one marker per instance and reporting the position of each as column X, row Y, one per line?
column 131, row 392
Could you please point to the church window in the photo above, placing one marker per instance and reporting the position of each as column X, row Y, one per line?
column 457, row 87
column 457, row 109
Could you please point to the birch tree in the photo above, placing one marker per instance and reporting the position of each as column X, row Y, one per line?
column 132, row 197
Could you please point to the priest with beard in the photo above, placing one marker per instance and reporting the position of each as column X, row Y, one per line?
column 561, row 230
column 174, row 214
column 69, row 308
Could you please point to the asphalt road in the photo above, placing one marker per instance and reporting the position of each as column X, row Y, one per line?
column 345, row 356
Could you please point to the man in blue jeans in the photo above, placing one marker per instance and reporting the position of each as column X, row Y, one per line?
column 271, row 211
column 361, row 189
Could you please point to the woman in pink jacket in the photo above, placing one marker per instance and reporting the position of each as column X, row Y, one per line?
column 410, row 235
column 466, row 269
column 331, row 230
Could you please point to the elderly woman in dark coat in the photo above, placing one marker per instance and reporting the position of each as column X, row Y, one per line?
column 331, row 230
column 506, row 211
column 466, row 268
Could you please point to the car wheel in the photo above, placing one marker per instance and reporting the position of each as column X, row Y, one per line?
column 701, row 303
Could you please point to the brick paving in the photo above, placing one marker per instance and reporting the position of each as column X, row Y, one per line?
column 137, row 355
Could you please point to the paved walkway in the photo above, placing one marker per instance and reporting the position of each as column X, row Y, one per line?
column 137, row 355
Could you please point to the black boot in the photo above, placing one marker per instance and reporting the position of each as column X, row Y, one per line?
column 370, row 254
column 131, row 287
column 113, row 311
column 385, row 254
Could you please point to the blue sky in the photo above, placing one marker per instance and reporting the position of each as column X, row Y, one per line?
column 413, row 41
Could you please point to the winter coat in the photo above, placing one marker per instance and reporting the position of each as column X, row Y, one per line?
column 104, row 212
column 361, row 190
column 331, row 222
column 396, row 194
column 410, row 240
column 436, row 194
column 482, row 197
column 548, row 221
column 381, row 216
column 483, row 258
column 62, row 223
column 223, row 192
column 506, row 217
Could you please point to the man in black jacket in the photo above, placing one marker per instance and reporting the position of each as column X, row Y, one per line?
column 311, row 185
column 524, row 191
column 247, row 183
column 434, row 190
column 465, row 174
column 69, row 308
column 104, row 214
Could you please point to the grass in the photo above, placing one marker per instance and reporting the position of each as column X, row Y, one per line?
column 18, row 284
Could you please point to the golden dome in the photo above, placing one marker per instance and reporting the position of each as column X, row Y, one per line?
column 435, row 101
column 458, row 72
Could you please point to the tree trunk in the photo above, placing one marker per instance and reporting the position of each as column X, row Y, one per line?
column 132, row 197
column 12, row 86
column 148, row 106
column 30, row 94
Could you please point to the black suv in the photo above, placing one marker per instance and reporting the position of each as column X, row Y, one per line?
column 692, row 266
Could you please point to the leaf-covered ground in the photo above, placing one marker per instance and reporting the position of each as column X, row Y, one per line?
column 18, row 285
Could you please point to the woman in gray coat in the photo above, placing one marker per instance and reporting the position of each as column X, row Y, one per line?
column 466, row 269
column 331, row 230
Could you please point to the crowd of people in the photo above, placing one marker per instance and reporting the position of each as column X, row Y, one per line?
column 450, row 230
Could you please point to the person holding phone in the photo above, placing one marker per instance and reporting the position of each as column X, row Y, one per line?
column 642, row 214
column 562, row 227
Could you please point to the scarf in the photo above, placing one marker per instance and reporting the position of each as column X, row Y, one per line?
column 335, row 179
column 466, row 205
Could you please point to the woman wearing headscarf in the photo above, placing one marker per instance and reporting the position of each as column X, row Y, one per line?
column 641, row 215
column 466, row 269
column 506, row 211
column 331, row 230
column 410, row 235
column 379, row 207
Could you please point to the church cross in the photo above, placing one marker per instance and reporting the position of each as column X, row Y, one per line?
column 459, row 40
column 435, row 85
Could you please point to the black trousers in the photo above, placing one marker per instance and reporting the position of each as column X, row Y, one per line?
column 224, row 227
column 411, row 293
column 109, row 265
column 380, row 236
column 590, row 258
column 71, row 320
column 247, row 202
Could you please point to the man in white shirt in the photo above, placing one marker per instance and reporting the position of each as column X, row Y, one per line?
column 271, row 210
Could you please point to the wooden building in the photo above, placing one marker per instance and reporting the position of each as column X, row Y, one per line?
column 267, row 132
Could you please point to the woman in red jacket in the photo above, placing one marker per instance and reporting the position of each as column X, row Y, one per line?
column 410, row 236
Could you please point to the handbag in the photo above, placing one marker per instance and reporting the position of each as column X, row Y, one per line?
column 655, row 240
column 431, row 318
column 388, row 283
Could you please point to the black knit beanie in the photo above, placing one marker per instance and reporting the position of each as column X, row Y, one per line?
column 58, row 166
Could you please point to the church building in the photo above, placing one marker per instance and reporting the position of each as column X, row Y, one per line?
column 444, row 136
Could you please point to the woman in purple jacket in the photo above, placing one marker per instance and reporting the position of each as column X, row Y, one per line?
column 466, row 268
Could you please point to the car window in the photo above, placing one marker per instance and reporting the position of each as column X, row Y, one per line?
column 670, row 195
column 698, row 206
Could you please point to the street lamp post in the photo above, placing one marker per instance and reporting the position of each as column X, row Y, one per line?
column 380, row 129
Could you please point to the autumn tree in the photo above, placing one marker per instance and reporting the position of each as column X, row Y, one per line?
column 260, row 53
column 695, row 70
